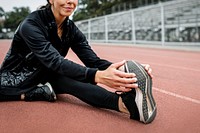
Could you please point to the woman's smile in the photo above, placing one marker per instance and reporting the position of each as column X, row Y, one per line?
column 68, row 9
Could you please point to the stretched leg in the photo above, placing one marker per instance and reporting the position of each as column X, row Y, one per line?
column 89, row 93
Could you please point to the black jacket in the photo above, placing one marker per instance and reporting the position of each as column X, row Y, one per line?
column 36, row 47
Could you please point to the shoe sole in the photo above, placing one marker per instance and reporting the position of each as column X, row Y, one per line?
column 52, row 91
column 144, row 98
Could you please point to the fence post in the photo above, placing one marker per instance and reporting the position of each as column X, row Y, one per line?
column 162, row 24
column 89, row 30
column 133, row 27
column 106, row 29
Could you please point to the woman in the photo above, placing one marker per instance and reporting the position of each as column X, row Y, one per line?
column 35, row 63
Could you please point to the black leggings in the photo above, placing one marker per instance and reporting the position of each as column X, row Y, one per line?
column 10, row 97
column 89, row 93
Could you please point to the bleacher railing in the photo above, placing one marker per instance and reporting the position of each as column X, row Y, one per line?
column 169, row 23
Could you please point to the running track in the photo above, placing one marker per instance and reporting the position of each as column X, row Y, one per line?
column 176, row 91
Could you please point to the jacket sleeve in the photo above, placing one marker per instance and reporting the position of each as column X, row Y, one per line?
column 83, row 50
column 34, row 36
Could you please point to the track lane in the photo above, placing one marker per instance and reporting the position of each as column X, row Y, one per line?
column 175, row 88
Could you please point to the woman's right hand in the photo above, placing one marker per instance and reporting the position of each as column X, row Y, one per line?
column 117, row 79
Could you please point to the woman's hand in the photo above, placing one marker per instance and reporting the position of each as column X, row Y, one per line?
column 117, row 79
column 148, row 69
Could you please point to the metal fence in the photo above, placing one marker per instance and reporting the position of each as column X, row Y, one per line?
column 175, row 22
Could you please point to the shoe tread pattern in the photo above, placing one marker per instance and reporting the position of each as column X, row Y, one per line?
column 142, row 77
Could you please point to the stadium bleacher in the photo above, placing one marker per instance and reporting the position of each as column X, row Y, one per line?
column 176, row 21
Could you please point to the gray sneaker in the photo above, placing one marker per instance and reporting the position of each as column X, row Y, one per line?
column 140, row 101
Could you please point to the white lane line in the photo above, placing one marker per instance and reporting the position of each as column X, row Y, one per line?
column 177, row 96
column 176, row 67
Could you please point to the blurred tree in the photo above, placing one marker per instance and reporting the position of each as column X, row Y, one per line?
column 13, row 18
column 1, row 12
column 1, row 20
column 93, row 8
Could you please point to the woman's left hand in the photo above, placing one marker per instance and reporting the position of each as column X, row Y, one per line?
column 148, row 69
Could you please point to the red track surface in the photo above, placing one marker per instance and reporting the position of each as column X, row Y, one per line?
column 176, row 90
